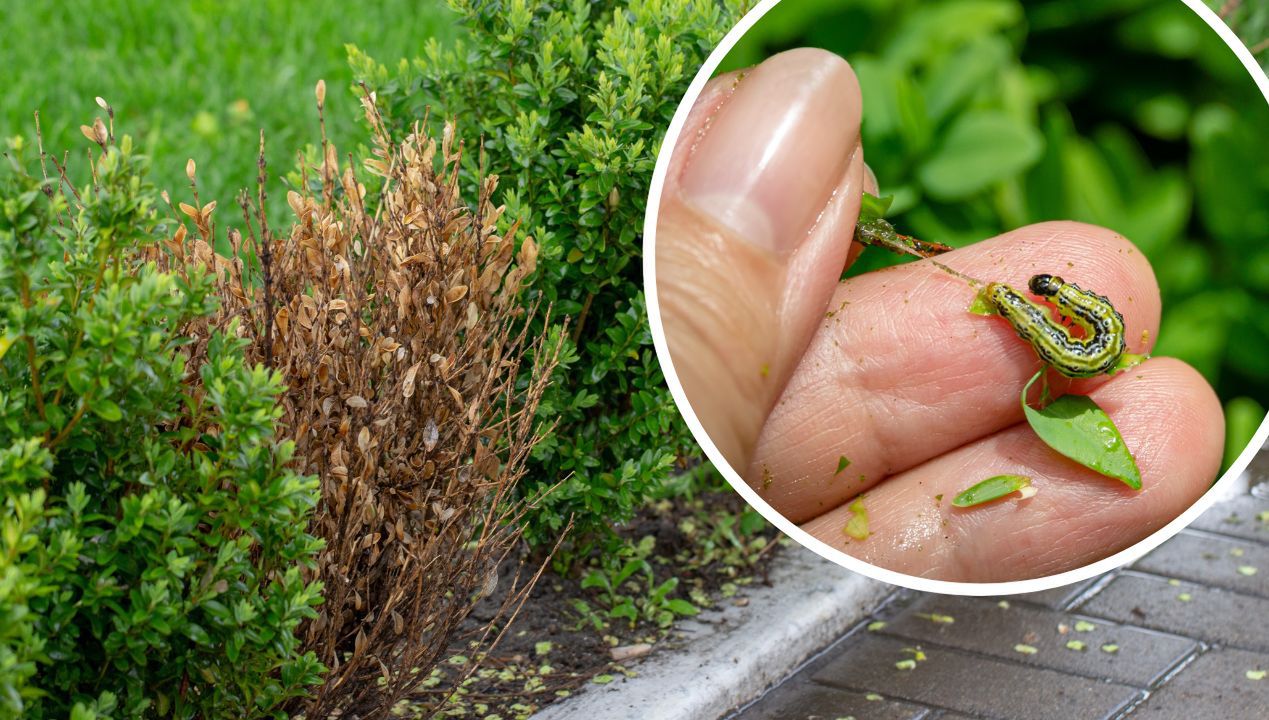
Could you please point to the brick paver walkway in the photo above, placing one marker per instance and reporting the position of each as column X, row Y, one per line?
column 1181, row 634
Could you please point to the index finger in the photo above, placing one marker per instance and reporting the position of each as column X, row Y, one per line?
column 900, row 372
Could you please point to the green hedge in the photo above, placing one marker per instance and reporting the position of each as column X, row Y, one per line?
column 151, row 539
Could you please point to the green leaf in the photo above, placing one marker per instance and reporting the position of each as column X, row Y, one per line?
column 993, row 488
column 983, row 147
column 981, row 305
column 857, row 526
column 842, row 464
column 679, row 606
column 872, row 207
column 1079, row 429
column 107, row 410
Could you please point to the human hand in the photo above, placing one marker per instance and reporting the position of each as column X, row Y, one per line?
column 790, row 370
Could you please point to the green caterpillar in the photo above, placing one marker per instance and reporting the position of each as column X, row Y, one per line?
column 1097, row 352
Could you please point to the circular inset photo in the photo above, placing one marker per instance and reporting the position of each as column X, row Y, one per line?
column 969, row 293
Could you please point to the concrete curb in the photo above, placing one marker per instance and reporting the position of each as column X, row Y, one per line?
column 729, row 657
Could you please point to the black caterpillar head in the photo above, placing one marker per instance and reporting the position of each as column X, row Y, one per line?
column 1046, row 285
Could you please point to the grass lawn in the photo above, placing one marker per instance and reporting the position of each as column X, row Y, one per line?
column 198, row 78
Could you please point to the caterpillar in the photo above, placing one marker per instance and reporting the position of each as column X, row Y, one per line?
column 1097, row 352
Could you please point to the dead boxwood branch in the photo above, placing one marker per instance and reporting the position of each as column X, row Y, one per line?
column 395, row 323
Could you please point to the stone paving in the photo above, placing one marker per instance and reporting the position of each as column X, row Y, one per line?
column 1181, row 634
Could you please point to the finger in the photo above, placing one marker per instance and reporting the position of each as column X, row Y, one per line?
column 753, row 230
column 901, row 372
column 1171, row 421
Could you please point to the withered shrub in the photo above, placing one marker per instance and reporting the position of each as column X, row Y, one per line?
column 394, row 320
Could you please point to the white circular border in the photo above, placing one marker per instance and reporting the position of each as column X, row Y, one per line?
column 1223, row 487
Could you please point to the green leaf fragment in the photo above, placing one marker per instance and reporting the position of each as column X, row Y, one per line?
column 873, row 697
column 937, row 619
column 872, row 207
column 542, row 648
column 1247, row 570
column 1255, row 674
column 1077, row 645
column 1110, row 648
column 857, row 526
column 1025, row 649
column 1079, row 429
column 1174, row 582
column 877, row 625
column 1127, row 361
column 1084, row 626
column 602, row 679
column 993, row 488
column 1185, row 597
column 1003, row 604
column 842, row 464
column 908, row 664
column 981, row 305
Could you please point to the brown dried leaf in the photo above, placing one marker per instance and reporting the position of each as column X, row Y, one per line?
column 431, row 434
column 407, row 385
column 455, row 294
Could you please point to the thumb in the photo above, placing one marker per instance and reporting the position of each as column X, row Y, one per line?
column 754, row 228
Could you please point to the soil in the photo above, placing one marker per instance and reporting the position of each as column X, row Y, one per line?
column 551, row 649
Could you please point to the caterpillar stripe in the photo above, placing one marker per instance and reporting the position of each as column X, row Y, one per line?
column 1095, row 353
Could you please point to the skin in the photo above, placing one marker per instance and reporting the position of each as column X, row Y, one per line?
column 789, row 369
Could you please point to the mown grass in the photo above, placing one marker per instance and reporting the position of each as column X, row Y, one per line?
column 199, row 78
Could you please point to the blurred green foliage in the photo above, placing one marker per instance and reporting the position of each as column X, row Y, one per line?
column 196, row 78
column 1250, row 19
column 984, row 115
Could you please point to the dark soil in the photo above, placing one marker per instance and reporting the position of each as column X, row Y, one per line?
column 713, row 544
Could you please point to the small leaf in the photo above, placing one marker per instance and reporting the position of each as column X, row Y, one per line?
column 108, row 410
column 876, row 625
column 1084, row 626
column 1255, row 674
column 993, row 488
column 872, row 207
column 1025, row 649
column 981, row 305
column 681, row 607
column 1079, row 429
column 1077, row 645
column 1127, row 361
column 857, row 526
column 908, row 664
column 842, row 464
column 1110, row 648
